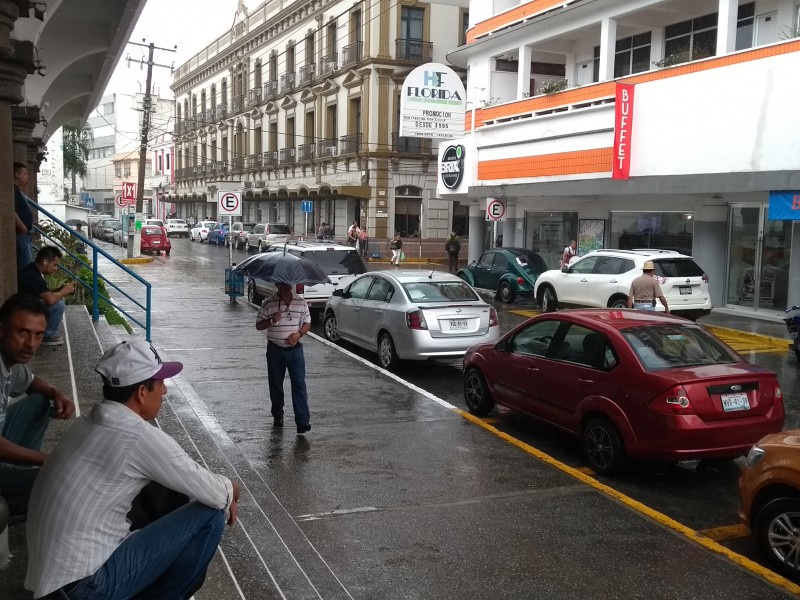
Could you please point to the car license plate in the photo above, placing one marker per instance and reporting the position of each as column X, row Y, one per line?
column 733, row 402
column 155, row 242
column 685, row 290
column 458, row 324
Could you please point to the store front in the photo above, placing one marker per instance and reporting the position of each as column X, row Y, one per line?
column 548, row 233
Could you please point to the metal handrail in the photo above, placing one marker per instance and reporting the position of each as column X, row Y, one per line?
column 97, row 276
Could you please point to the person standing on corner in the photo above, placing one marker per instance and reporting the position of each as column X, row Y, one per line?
column 570, row 252
column 645, row 289
column 396, row 246
column 452, row 246
column 352, row 234
column 30, row 280
column 23, row 217
column 286, row 318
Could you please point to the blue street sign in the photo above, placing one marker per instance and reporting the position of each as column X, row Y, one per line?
column 307, row 206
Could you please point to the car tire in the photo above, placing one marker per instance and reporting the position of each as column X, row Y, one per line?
column 387, row 356
column 618, row 302
column 505, row 293
column 260, row 247
column 549, row 300
column 331, row 328
column 602, row 447
column 476, row 393
column 191, row 237
column 771, row 528
column 252, row 293
column 166, row 252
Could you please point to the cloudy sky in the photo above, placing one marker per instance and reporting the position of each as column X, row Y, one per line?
column 189, row 24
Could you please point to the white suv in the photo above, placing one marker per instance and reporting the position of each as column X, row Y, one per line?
column 177, row 227
column 602, row 278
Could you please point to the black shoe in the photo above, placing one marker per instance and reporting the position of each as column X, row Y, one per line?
column 278, row 422
column 303, row 428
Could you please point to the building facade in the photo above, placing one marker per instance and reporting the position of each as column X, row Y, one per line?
column 300, row 100
column 638, row 124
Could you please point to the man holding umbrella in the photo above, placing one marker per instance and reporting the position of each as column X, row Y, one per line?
column 286, row 319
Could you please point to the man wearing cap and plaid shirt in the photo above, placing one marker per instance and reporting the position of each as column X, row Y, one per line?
column 79, row 539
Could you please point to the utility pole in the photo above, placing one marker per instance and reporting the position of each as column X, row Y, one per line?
column 135, row 224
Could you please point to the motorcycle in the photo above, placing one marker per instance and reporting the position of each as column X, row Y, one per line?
column 793, row 325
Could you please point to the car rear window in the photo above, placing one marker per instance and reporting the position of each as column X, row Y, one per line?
column 279, row 229
column 662, row 347
column 155, row 222
column 337, row 262
column 677, row 267
column 440, row 291
column 151, row 230
column 532, row 262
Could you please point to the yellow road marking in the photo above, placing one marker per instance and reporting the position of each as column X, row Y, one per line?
column 526, row 313
column 655, row 515
column 728, row 532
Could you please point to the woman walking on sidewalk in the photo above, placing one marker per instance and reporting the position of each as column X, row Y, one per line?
column 396, row 246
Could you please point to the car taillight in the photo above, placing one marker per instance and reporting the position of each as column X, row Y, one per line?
column 705, row 277
column 662, row 280
column 268, row 228
column 674, row 402
column 416, row 320
column 493, row 322
column 778, row 394
column 204, row 231
column 299, row 288
column 520, row 281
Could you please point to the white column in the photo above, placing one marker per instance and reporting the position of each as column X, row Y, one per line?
column 608, row 46
column 477, row 224
column 656, row 45
column 787, row 17
column 726, row 28
column 524, row 72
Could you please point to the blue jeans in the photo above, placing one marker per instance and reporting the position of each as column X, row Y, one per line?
column 54, row 318
column 278, row 362
column 26, row 424
column 644, row 306
column 24, row 254
column 167, row 560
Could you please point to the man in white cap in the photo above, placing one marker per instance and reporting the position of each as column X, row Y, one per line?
column 645, row 289
column 79, row 539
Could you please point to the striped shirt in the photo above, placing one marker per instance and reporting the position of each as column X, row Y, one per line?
column 78, row 506
column 13, row 381
column 292, row 318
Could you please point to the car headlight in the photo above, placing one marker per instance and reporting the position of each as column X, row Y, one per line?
column 756, row 454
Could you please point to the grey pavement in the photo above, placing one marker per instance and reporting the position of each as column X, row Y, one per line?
column 393, row 495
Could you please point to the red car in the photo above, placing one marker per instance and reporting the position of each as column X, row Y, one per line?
column 154, row 239
column 629, row 383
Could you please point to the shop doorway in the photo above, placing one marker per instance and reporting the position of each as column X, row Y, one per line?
column 758, row 260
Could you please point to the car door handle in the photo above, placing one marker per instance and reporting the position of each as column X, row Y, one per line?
column 582, row 380
column 356, row 309
column 533, row 370
column 584, row 280
column 378, row 311
column 614, row 281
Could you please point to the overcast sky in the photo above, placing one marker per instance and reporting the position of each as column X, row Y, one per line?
column 189, row 24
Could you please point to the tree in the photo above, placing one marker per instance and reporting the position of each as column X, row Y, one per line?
column 77, row 143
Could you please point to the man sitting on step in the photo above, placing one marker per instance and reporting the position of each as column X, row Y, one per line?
column 30, row 280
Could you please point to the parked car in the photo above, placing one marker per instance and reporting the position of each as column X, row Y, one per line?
column 602, row 278
column 156, row 222
column 200, row 231
column 218, row 234
column 177, row 227
column 121, row 237
column 336, row 261
column 94, row 224
column 510, row 272
column 263, row 235
column 769, row 490
column 410, row 315
column 239, row 233
column 629, row 383
column 154, row 239
column 107, row 229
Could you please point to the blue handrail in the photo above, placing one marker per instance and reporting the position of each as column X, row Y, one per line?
column 97, row 276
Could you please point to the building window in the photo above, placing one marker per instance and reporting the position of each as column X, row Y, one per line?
column 411, row 32
column 745, row 26
column 118, row 170
column 691, row 40
column 632, row 55
column 407, row 210
column 126, row 170
column 166, row 158
column 663, row 230
column 464, row 27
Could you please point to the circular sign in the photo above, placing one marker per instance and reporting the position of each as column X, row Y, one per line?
column 452, row 166
column 229, row 202
column 496, row 210
column 118, row 201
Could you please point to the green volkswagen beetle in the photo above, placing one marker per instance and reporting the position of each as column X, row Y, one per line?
column 511, row 272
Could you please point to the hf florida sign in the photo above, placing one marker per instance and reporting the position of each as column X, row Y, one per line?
column 432, row 103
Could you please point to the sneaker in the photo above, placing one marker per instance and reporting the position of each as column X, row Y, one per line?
column 301, row 429
column 53, row 340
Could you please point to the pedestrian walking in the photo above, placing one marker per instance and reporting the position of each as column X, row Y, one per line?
column 79, row 526
column 570, row 252
column 645, row 289
column 321, row 232
column 452, row 246
column 363, row 242
column 396, row 246
column 286, row 319
column 327, row 233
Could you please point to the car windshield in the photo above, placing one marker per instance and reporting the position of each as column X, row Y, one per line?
column 662, row 347
column 337, row 262
column 531, row 262
column 677, row 267
column 439, row 291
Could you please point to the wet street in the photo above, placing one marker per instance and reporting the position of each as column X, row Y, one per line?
column 700, row 496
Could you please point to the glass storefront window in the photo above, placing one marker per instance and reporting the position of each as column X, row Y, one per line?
column 548, row 233
column 656, row 230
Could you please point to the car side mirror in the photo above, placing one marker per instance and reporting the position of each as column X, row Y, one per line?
column 502, row 345
column 565, row 269
column 339, row 293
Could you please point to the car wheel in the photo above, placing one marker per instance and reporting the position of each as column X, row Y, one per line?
column 618, row 302
column 505, row 293
column 602, row 447
column 252, row 293
column 260, row 247
column 386, row 352
column 476, row 393
column 549, row 300
column 166, row 252
column 331, row 328
column 191, row 237
column 777, row 531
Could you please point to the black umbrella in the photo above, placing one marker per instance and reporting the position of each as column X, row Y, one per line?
column 282, row 268
column 73, row 222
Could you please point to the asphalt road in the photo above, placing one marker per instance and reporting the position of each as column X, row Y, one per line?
column 701, row 496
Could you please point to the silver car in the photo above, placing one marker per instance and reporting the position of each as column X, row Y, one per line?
column 410, row 315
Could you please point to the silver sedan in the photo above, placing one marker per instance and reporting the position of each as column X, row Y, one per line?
column 410, row 315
